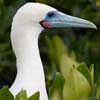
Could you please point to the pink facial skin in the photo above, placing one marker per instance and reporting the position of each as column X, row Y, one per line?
column 45, row 24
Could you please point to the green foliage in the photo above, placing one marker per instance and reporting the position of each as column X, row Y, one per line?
column 22, row 95
column 55, row 91
column 78, row 78
column 35, row 96
column 86, row 72
column 73, row 72
column 98, row 93
column 5, row 94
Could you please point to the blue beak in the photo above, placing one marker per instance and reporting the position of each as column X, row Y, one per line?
column 56, row 19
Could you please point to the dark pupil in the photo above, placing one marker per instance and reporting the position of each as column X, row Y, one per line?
column 50, row 14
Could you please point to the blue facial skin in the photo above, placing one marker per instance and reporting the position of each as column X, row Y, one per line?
column 55, row 19
column 51, row 15
column 59, row 19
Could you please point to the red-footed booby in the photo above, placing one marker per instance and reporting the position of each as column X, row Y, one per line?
column 29, row 21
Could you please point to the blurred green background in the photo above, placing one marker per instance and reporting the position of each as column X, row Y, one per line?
column 84, row 44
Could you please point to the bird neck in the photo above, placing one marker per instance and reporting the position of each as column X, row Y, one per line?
column 30, row 74
column 29, row 57
column 25, row 46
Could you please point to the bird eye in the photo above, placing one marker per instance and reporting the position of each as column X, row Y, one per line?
column 50, row 14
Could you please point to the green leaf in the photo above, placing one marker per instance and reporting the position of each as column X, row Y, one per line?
column 92, row 71
column 55, row 91
column 98, row 92
column 76, row 86
column 98, row 82
column 98, row 89
column 35, row 96
column 59, row 48
column 5, row 94
column 85, row 71
column 22, row 95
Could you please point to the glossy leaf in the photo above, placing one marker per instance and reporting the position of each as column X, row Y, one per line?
column 5, row 94
column 35, row 96
column 85, row 71
column 22, row 95
column 76, row 86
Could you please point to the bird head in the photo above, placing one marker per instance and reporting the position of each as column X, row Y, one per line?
column 44, row 16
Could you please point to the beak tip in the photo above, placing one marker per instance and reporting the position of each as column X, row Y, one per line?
column 94, row 27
